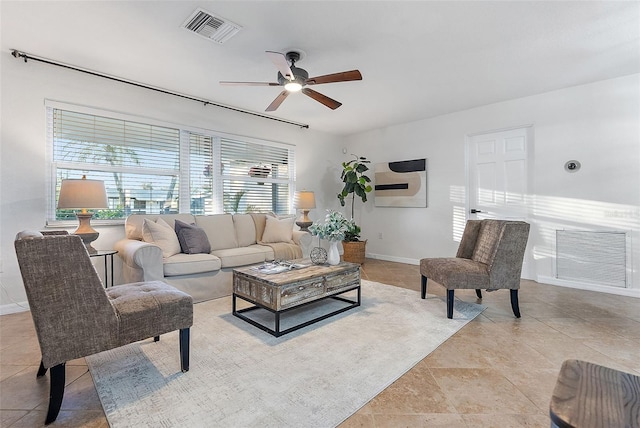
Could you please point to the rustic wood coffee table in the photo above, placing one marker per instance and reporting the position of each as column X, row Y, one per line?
column 284, row 291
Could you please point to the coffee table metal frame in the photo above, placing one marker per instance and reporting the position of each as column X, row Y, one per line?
column 277, row 313
column 277, row 332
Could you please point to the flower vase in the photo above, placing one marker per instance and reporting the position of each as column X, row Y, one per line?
column 333, row 255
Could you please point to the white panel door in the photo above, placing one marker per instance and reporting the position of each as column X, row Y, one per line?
column 498, row 175
column 498, row 171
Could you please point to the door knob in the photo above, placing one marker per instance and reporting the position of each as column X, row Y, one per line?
column 474, row 211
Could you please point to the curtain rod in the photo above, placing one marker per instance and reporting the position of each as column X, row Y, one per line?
column 18, row 54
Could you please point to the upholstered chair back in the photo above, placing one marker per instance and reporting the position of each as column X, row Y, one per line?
column 506, row 264
column 499, row 244
column 469, row 238
column 65, row 295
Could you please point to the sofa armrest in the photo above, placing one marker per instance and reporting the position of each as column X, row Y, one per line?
column 304, row 241
column 143, row 259
column 298, row 236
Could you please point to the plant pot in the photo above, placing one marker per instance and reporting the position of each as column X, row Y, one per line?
column 354, row 251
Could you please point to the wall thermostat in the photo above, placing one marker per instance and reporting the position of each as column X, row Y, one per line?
column 572, row 166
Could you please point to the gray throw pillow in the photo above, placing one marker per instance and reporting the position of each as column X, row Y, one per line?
column 193, row 239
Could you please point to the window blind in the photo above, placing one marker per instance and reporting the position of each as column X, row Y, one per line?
column 202, row 174
column 149, row 168
column 139, row 163
column 255, row 177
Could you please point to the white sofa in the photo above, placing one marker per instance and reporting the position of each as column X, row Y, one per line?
column 236, row 240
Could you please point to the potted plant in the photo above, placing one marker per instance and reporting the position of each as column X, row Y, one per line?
column 356, row 183
column 333, row 229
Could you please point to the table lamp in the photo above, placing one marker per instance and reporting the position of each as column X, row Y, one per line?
column 83, row 194
column 305, row 201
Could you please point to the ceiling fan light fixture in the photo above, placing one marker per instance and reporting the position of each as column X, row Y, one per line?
column 293, row 86
column 295, row 79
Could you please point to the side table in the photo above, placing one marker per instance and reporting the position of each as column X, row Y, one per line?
column 105, row 254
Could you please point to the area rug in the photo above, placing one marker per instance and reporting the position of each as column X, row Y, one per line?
column 241, row 376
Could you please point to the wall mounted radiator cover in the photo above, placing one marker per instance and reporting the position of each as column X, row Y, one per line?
column 595, row 257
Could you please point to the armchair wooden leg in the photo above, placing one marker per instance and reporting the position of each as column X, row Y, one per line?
column 156, row 338
column 479, row 293
column 184, row 349
column 56, row 392
column 450, row 304
column 423, row 292
column 41, row 370
column 514, row 303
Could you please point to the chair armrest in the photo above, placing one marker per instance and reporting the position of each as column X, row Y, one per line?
column 142, row 256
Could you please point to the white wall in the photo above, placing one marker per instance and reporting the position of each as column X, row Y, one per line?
column 24, row 88
column 597, row 124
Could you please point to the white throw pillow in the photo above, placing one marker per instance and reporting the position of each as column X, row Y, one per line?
column 161, row 234
column 278, row 230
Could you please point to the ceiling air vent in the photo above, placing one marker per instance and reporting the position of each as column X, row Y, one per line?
column 210, row 26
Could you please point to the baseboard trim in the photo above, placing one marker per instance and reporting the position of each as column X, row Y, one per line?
column 13, row 308
column 630, row 292
column 393, row 258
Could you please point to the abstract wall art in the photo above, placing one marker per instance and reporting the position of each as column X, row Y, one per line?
column 401, row 184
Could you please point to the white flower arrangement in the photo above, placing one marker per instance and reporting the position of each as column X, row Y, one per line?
column 334, row 228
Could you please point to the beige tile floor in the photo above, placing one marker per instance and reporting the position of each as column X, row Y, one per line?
column 496, row 371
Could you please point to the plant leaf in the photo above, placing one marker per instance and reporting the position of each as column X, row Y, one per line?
column 362, row 168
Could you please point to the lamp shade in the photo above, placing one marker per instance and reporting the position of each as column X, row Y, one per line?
column 304, row 200
column 82, row 194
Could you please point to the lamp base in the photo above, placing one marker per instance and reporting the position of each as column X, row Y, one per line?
column 304, row 221
column 87, row 239
column 304, row 225
column 86, row 232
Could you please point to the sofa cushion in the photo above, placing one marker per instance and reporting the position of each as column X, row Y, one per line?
column 162, row 235
column 245, row 229
column 278, row 230
column 193, row 239
column 133, row 223
column 260, row 220
column 219, row 229
column 186, row 264
column 233, row 257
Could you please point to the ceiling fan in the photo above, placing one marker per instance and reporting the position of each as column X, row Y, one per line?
column 295, row 79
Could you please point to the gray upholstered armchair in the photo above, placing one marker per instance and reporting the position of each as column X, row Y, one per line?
column 75, row 316
column 490, row 256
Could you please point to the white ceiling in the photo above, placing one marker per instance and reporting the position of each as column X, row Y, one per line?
column 418, row 59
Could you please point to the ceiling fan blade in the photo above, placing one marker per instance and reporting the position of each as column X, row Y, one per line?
column 329, row 102
column 279, row 99
column 249, row 83
column 281, row 63
column 344, row 76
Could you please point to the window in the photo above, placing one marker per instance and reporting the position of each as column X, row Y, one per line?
column 139, row 163
column 249, row 176
column 153, row 168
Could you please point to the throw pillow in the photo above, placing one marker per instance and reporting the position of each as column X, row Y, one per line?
column 193, row 239
column 162, row 235
column 278, row 230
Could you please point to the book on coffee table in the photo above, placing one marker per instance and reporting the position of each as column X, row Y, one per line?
column 278, row 266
